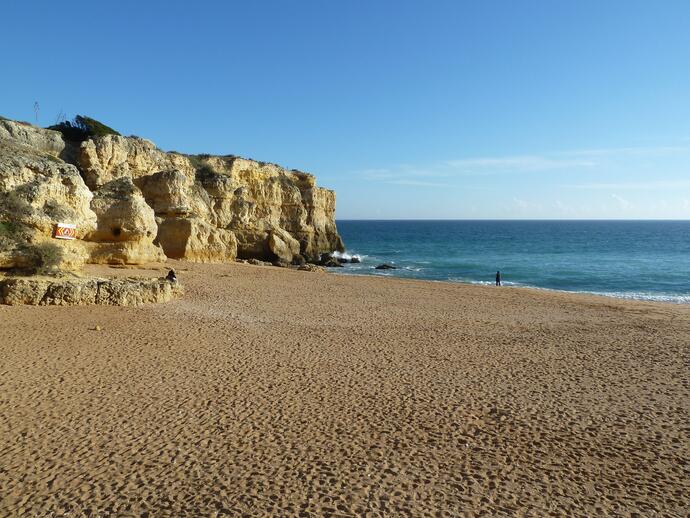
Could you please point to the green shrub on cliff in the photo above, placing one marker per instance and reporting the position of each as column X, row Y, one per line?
column 205, row 172
column 38, row 258
column 47, row 258
column 15, row 240
column 12, row 205
column 203, row 169
column 82, row 128
column 7, row 229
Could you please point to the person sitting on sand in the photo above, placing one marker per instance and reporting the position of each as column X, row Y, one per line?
column 498, row 278
column 171, row 276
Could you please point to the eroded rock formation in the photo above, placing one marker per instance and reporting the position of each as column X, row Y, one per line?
column 36, row 291
column 37, row 189
column 133, row 203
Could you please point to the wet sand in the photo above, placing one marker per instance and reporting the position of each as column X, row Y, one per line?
column 273, row 392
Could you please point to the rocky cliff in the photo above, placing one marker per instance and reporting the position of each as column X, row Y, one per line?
column 133, row 203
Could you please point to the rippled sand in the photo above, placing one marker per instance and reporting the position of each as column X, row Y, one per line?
column 269, row 392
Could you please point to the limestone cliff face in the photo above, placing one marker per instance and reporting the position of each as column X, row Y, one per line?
column 112, row 156
column 254, row 199
column 37, row 189
column 126, row 227
column 134, row 203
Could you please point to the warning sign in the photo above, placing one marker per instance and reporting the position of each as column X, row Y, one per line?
column 65, row 231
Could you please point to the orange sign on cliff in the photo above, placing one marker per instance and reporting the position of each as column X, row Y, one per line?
column 65, row 231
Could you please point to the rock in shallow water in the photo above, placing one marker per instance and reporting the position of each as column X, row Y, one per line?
column 386, row 267
column 330, row 260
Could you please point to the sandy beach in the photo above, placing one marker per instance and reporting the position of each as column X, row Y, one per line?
column 269, row 392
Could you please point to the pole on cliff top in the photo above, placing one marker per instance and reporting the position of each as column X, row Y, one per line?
column 37, row 108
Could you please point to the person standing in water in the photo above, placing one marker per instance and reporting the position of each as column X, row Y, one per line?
column 498, row 278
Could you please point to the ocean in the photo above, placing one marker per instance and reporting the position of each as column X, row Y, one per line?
column 645, row 260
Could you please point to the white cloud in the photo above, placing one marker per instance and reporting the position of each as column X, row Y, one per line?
column 563, row 209
column 376, row 174
column 573, row 160
column 622, row 202
column 417, row 183
column 657, row 184
column 526, row 163
column 627, row 151
column 526, row 207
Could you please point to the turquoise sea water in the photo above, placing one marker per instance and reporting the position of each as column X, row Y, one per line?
column 647, row 260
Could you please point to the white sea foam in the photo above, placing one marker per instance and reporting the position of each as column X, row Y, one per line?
column 628, row 295
column 348, row 256
column 484, row 283
column 637, row 295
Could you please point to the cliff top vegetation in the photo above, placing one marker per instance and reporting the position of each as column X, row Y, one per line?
column 82, row 128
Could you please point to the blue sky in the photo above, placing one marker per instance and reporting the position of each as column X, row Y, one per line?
column 444, row 109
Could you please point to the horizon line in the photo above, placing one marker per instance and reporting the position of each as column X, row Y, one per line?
column 513, row 219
